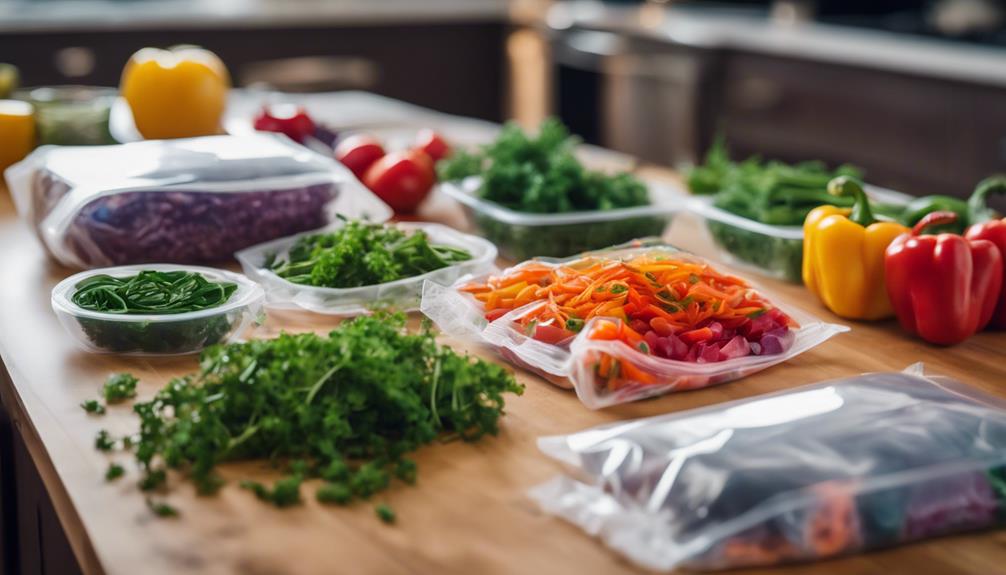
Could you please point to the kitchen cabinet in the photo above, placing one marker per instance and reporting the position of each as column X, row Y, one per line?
column 455, row 67
column 915, row 134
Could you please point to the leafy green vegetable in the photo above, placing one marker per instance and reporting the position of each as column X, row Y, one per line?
column 93, row 406
column 103, row 441
column 360, row 254
column 161, row 509
column 769, row 192
column 540, row 174
column 346, row 407
column 385, row 513
column 284, row 493
column 114, row 472
column 151, row 292
column 119, row 387
column 337, row 493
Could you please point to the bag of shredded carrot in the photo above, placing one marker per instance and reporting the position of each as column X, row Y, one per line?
column 626, row 323
column 818, row 471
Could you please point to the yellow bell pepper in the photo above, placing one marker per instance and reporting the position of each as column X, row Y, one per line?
column 17, row 132
column 176, row 93
column 843, row 255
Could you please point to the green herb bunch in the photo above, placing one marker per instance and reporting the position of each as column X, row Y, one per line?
column 347, row 407
column 360, row 254
column 540, row 174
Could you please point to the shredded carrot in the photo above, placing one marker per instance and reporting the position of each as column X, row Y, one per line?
column 649, row 291
column 680, row 292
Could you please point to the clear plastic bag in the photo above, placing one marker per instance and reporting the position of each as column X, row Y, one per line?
column 572, row 363
column 403, row 294
column 829, row 469
column 180, row 201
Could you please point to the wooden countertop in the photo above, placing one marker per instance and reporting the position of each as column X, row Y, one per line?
column 467, row 514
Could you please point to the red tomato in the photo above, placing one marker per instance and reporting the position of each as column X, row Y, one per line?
column 433, row 144
column 285, row 119
column 358, row 153
column 401, row 179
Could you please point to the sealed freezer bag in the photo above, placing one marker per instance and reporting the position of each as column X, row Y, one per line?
column 626, row 323
column 829, row 469
column 180, row 201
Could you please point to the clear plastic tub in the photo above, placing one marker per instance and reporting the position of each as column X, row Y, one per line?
column 775, row 251
column 809, row 473
column 182, row 201
column 403, row 294
column 573, row 363
column 520, row 236
column 162, row 334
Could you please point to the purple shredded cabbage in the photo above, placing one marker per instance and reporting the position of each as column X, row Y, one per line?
column 188, row 227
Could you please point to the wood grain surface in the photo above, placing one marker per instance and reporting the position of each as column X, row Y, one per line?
column 468, row 512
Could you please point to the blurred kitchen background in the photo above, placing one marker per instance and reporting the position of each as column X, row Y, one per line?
column 913, row 91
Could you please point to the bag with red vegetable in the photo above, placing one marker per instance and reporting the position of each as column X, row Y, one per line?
column 626, row 323
column 810, row 473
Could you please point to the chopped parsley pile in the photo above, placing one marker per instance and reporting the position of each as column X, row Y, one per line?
column 346, row 408
column 540, row 174
column 360, row 254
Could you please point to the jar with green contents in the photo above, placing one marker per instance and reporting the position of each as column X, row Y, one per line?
column 72, row 115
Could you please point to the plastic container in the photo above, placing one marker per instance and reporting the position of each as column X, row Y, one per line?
column 162, row 334
column 775, row 251
column 809, row 473
column 403, row 294
column 521, row 235
column 572, row 363
column 72, row 115
column 183, row 201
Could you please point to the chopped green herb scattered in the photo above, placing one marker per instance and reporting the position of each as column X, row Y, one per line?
column 284, row 493
column 162, row 509
column 334, row 493
column 93, row 406
column 360, row 254
column 385, row 513
column 119, row 387
column 103, row 441
column 114, row 472
column 346, row 407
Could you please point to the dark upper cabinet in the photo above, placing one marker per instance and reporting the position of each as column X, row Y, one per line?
column 918, row 135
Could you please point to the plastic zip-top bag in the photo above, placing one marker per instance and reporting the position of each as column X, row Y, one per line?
column 180, row 201
column 403, row 294
column 625, row 349
column 818, row 471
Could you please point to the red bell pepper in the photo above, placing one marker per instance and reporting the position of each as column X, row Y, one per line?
column 993, row 230
column 943, row 288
